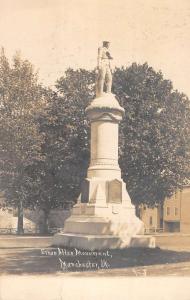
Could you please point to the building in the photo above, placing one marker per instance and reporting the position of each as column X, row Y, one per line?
column 152, row 218
column 173, row 216
column 33, row 220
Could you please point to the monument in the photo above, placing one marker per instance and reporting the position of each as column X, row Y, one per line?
column 103, row 216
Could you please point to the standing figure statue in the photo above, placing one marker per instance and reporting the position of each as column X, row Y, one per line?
column 104, row 75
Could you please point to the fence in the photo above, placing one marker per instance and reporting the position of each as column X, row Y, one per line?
column 153, row 230
column 51, row 230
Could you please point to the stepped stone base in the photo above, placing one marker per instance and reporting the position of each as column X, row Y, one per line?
column 98, row 242
column 112, row 228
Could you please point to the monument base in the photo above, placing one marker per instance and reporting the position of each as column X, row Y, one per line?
column 100, row 242
column 110, row 227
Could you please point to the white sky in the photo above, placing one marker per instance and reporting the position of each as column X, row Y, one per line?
column 56, row 34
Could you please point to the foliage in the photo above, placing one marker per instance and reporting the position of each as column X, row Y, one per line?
column 66, row 145
column 21, row 98
column 154, row 134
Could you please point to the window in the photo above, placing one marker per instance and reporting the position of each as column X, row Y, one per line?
column 167, row 211
column 150, row 221
column 176, row 211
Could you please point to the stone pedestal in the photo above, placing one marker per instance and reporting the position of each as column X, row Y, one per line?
column 104, row 216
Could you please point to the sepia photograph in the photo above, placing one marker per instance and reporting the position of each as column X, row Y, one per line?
column 94, row 149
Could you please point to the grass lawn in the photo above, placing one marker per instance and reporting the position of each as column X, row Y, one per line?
column 34, row 255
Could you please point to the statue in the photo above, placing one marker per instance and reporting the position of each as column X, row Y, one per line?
column 104, row 75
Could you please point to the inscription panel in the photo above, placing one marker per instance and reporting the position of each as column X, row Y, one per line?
column 115, row 191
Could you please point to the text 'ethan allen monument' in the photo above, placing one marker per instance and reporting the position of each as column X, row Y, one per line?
column 104, row 216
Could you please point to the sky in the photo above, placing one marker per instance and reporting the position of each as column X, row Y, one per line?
column 57, row 34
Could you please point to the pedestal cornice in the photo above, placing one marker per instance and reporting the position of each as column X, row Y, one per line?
column 105, row 107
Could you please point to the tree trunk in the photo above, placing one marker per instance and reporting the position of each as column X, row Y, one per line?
column 45, row 229
column 20, row 228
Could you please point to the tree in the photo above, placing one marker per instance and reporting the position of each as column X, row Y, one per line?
column 154, row 134
column 51, row 175
column 21, row 97
column 66, row 143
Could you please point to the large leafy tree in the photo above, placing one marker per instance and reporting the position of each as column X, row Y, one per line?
column 21, row 98
column 66, row 143
column 154, row 134
column 65, row 147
